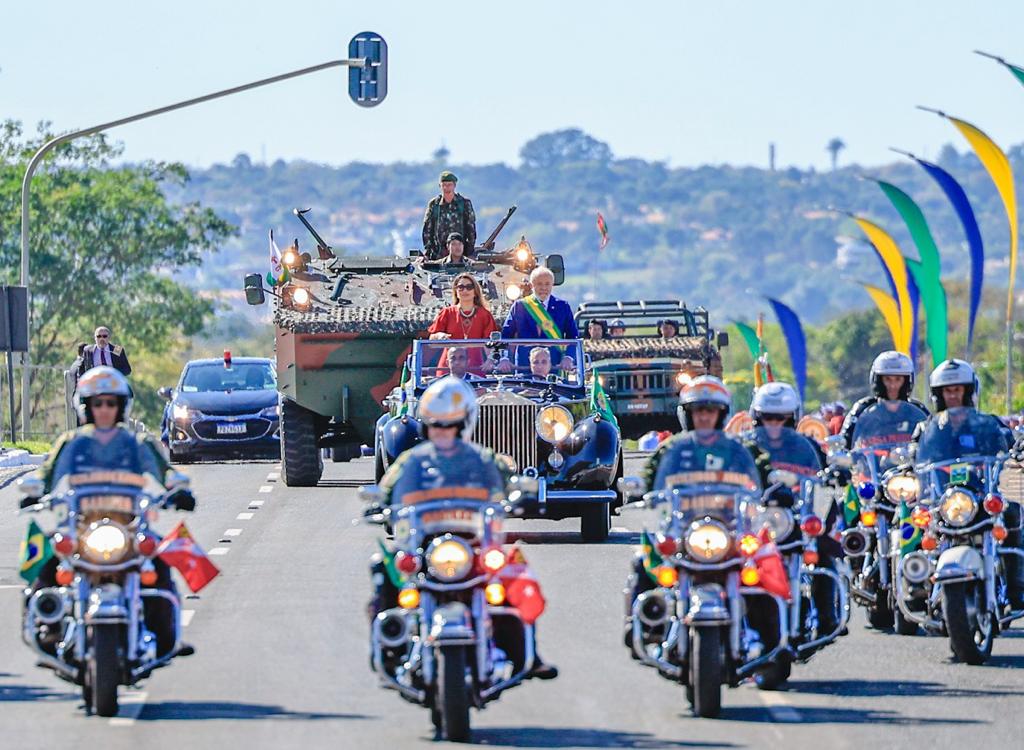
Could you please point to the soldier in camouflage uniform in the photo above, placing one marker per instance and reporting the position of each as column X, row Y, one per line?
column 446, row 213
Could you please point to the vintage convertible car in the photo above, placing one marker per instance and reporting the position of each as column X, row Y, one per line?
column 544, row 422
column 641, row 371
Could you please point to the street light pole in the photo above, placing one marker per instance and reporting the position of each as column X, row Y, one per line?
column 367, row 63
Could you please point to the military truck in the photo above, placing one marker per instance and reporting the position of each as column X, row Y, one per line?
column 641, row 372
column 344, row 327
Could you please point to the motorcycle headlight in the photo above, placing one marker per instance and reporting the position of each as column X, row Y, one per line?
column 554, row 423
column 902, row 487
column 958, row 507
column 707, row 541
column 104, row 542
column 778, row 520
column 181, row 411
column 449, row 558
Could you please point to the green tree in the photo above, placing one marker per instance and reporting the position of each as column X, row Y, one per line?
column 108, row 248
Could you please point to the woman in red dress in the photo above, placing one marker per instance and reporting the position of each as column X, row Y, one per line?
column 466, row 318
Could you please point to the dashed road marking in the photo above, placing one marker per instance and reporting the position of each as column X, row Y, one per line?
column 256, row 503
column 130, row 705
column 186, row 617
column 244, row 516
column 232, row 532
column 777, row 707
column 266, row 488
column 220, row 550
column 273, row 476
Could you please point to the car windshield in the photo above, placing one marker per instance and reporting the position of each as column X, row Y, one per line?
column 788, row 450
column 960, row 432
column 250, row 376
column 528, row 360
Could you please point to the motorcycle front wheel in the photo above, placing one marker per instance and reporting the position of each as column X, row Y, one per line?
column 103, row 669
column 706, row 671
column 971, row 628
column 452, row 698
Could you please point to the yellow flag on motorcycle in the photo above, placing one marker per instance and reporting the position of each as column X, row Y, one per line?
column 36, row 551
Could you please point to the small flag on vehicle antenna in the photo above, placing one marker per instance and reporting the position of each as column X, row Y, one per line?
column 278, row 274
column 603, row 229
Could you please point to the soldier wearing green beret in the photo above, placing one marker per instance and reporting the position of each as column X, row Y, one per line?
column 446, row 213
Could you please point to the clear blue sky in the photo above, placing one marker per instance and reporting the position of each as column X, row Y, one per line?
column 690, row 82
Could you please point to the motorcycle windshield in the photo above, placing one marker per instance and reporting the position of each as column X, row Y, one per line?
column 961, row 432
column 788, row 450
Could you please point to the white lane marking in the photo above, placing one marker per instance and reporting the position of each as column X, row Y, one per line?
column 11, row 586
column 778, row 709
column 257, row 503
column 130, row 705
column 266, row 488
column 244, row 516
column 232, row 532
column 186, row 617
column 273, row 476
column 220, row 550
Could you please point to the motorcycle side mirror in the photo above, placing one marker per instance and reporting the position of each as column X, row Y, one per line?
column 783, row 478
column 178, row 481
column 165, row 393
column 723, row 339
column 372, row 496
column 31, row 486
column 632, row 488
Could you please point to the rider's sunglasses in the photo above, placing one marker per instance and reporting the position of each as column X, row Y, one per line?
column 108, row 403
column 103, row 335
column 773, row 417
column 464, row 287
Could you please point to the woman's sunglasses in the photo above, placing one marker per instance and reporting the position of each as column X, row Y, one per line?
column 464, row 287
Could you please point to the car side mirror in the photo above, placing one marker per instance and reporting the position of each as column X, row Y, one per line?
column 556, row 264
column 632, row 488
column 723, row 339
column 165, row 393
column 254, row 292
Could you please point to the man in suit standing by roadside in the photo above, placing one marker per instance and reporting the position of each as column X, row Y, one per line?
column 103, row 353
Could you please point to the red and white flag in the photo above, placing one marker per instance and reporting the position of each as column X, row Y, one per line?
column 521, row 588
column 180, row 550
column 768, row 560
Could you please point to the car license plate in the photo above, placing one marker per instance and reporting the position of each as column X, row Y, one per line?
column 229, row 428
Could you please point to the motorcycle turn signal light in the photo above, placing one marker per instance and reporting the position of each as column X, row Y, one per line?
column 810, row 557
column 64, row 576
column 812, row 526
column 869, row 517
column 666, row 576
column 749, row 545
column 147, row 577
column 409, row 598
column 494, row 593
column 921, row 517
column 999, row 532
column 749, row 575
column 929, row 542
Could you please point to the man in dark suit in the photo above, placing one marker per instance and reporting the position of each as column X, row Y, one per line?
column 102, row 353
column 540, row 315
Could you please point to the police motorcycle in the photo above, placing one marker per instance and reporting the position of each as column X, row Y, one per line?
column 959, row 572
column 879, row 484
column 705, row 621
column 454, row 641
column 91, row 628
column 793, row 513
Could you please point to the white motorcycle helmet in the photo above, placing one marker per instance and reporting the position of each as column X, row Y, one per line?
column 776, row 398
column 954, row 372
column 102, row 381
column 448, row 402
column 706, row 390
column 891, row 363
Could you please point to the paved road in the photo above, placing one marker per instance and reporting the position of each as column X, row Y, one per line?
column 282, row 656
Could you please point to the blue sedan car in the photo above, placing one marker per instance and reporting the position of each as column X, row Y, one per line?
column 222, row 407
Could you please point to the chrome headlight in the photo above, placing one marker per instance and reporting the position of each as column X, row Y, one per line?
column 271, row 412
column 778, row 520
column 449, row 558
column 902, row 487
column 958, row 507
column 181, row 411
column 707, row 541
column 105, row 542
column 554, row 423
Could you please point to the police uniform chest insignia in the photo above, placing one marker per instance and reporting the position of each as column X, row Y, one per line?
column 714, row 463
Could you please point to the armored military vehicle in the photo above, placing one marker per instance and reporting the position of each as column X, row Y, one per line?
column 344, row 326
column 641, row 371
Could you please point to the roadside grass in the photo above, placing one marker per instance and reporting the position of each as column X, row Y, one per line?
column 32, row 446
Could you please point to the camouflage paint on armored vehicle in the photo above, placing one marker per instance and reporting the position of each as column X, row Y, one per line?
column 641, row 372
column 344, row 326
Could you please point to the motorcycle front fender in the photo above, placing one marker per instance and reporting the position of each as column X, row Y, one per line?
column 452, row 625
column 959, row 563
column 708, row 605
column 106, row 605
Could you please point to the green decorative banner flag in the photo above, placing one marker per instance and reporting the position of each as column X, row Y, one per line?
column 36, row 551
column 750, row 337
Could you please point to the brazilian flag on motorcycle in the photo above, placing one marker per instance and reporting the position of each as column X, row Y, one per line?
column 651, row 558
column 910, row 535
column 394, row 574
column 36, row 551
column 851, row 506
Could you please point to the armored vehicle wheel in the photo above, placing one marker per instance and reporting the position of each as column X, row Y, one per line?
column 301, row 462
column 595, row 523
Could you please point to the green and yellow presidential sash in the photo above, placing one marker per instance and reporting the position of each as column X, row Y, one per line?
column 541, row 317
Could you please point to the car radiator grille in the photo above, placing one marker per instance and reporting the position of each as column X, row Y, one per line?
column 509, row 429
column 642, row 382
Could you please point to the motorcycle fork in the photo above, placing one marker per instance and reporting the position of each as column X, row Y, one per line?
column 795, row 621
column 989, row 556
column 884, row 561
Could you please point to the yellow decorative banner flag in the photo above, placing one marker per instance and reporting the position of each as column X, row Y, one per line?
column 889, row 309
column 891, row 256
